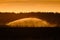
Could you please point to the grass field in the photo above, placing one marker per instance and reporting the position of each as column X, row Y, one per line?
column 29, row 33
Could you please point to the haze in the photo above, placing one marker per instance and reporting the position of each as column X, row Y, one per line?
column 29, row 6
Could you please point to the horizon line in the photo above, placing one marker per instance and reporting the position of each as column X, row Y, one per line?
column 28, row 12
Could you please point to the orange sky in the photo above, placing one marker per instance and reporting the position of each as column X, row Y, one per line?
column 29, row 5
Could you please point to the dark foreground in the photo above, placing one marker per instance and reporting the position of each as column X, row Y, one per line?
column 8, row 33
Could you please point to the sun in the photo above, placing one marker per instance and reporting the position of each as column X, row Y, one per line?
column 30, row 22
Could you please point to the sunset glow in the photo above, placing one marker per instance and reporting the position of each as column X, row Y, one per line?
column 29, row 6
column 30, row 22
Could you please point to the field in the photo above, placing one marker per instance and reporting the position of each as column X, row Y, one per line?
column 29, row 33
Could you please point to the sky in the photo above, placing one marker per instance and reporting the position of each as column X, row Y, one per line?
column 29, row 6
